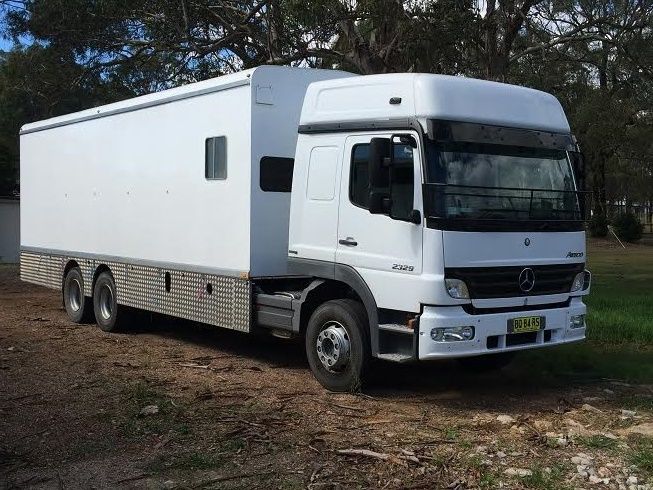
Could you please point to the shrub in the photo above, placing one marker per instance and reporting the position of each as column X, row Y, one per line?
column 628, row 227
column 599, row 226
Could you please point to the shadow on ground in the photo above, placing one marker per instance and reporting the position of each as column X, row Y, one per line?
column 534, row 373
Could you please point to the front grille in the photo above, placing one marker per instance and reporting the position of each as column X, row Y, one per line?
column 503, row 282
column 470, row 309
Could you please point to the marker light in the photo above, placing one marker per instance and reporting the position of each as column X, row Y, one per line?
column 456, row 288
column 452, row 334
column 576, row 321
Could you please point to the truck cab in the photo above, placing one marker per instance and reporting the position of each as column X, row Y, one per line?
column 450, row 210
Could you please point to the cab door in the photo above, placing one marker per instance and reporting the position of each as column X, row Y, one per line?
column 386, row 251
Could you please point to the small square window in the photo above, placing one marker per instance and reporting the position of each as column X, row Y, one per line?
column 276, row 174
column 215, row 167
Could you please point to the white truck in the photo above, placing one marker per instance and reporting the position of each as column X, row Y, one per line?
column 404, row 217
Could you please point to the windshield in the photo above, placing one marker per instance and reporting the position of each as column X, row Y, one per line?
column 496, row 182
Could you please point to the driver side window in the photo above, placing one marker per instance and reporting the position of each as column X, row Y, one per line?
column 401, row 180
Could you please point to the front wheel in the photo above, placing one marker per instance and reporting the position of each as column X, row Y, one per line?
column 337, row 344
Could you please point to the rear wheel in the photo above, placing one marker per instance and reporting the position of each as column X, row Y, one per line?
column 78, row 306
column 487, row 363
column 109, row 316
column 337, row 344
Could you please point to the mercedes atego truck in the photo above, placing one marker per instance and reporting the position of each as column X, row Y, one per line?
column 403, row 217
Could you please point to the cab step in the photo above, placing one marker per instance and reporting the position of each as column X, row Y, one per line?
column 395, row 327
column 396, row 357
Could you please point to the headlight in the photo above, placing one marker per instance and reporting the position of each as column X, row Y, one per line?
column 581, row 281
column 576, row 321
column 452, row 334
column 456, row 288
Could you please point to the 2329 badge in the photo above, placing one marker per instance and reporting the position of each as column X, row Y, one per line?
column 402, row 267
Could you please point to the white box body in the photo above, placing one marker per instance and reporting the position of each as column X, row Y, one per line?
column 127, row 180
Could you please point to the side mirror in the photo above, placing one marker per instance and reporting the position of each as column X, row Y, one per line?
column 415, row 217
column 380, row 158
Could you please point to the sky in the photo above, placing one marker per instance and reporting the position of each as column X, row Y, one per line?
column 5, row 45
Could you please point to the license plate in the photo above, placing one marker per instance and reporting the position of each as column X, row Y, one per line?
column 526, row 324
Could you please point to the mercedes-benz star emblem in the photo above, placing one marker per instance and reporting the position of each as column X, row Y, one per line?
column 527, row 280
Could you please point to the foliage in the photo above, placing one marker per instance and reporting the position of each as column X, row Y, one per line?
column 595, row 55
column 628, row 227
column 39, row 82
column 598, row 226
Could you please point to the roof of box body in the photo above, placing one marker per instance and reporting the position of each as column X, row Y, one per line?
column 367, row 98
column 166, row 96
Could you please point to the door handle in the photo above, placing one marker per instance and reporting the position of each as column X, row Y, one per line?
column 349, row 241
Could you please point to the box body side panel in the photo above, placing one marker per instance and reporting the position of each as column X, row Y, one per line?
column 132, row 185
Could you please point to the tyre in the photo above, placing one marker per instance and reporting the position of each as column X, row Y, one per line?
column 337, row 344
column 486, row 363
column 78, row 306
column 109, row 316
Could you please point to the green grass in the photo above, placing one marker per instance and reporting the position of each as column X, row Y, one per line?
column 451, row 433
column 641, row 455
column 170, row 416
column 598, row 442
column 546, row 480
column 620, row 304
column 489, row 480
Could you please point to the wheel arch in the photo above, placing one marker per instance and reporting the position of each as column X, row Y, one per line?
column 99, row 270
column 319, row 292
column 335, row 281
column 71, row 264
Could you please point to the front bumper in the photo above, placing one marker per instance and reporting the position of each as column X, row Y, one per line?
column 491, row 331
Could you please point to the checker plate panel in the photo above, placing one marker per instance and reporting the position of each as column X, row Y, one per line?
column 143, row 287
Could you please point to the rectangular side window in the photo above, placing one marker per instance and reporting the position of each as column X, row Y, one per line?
column 276, row 174
column 401, row 179
column 359, row 181
column 215, row 162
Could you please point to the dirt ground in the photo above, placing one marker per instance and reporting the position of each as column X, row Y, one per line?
column 177, row 405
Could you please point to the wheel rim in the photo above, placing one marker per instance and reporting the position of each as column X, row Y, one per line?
column 333, row 347
column 106, row 301
column 75, row 295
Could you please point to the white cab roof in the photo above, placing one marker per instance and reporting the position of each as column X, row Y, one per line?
column 367, row 98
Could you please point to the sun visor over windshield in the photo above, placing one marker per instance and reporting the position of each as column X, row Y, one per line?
column 447, row 131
